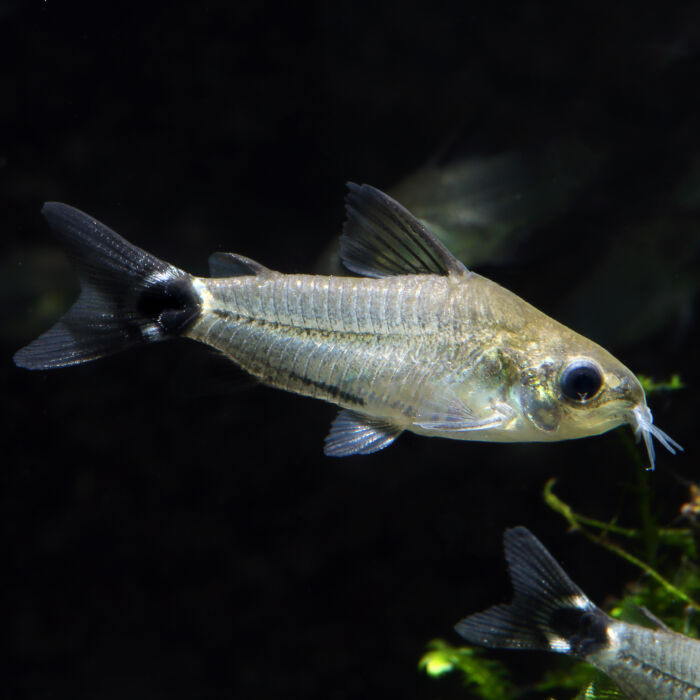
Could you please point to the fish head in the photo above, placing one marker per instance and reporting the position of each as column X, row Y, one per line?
column 587, row 392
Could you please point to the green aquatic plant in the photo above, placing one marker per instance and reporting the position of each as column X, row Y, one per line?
column 486, row 678
column 682, row 539
column 573, row 676
column 650, row 385
column 600, row 689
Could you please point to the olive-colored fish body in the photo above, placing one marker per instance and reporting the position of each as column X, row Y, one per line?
column 417, row 343
column 550, row 612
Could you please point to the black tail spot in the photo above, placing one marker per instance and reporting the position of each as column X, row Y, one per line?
column 585, row 630
column 172, row 304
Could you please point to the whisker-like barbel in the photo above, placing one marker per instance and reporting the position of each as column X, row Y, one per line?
column 644, row 425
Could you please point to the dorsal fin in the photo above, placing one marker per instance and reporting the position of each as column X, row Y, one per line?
column 233, row 265
column 651, row 620
column 381, row 238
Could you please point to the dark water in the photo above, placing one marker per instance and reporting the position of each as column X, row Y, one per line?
column 163, row 540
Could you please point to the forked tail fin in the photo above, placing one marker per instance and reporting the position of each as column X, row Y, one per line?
column 549, row 611
column 128, row 297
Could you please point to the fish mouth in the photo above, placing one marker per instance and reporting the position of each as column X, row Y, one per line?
column 643, row 425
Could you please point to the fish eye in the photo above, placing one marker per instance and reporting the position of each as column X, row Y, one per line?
column 580, row 381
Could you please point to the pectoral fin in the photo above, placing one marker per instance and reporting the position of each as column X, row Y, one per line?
column 451, row 414
column 354, row 434
column 381, row 238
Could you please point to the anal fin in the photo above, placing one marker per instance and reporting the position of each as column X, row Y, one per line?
column 352, row 433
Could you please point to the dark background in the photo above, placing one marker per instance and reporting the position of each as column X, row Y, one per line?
column 163, row 539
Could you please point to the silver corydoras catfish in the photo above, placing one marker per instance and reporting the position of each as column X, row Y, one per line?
column 551, row 613
column 417, row 343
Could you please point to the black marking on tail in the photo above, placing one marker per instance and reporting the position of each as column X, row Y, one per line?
column 172, row 304
column 584, row 630
column 549, row 611
column 128, row 296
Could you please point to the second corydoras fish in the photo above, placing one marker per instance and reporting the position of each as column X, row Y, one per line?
column 417, row 343
column 551, row 613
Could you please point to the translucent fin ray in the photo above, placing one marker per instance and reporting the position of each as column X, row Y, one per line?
column 233, row 265
column 352, row 433
column 381, row 238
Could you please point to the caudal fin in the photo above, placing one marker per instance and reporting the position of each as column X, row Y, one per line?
column 549, row 611
column 128, row 297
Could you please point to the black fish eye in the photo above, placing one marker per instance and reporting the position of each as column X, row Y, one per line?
column 580, row 381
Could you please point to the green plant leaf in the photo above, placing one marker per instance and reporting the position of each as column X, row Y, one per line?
column 486, row 678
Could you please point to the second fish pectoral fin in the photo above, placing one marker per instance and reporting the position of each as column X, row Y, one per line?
column 353, row 433
column 454, row 416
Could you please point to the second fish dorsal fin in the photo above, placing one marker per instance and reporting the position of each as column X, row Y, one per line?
column 651, row 620
column 381, row 238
